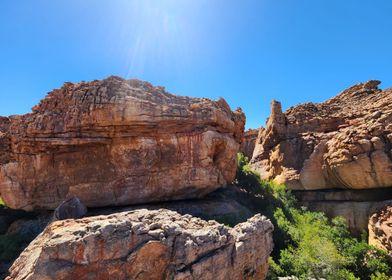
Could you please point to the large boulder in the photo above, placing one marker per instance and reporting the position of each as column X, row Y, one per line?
column 143, row 244
column 344, row 142
column 380, row 229
column 117, row 142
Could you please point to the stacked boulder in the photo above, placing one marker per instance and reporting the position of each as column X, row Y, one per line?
column 119, row 142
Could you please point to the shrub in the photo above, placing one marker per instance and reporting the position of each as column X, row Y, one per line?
column 380, row 276
column 308, row 244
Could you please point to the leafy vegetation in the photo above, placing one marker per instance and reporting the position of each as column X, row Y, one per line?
column 308, row 244
column 2, row 202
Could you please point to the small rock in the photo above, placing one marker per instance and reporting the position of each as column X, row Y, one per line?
column 71, row 208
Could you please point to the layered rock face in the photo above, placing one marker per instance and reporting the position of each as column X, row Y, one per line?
column 356, row 206
column 344, row 142
column 145, row 244
column 248, row 145
column 380, row 229
column 117, row 142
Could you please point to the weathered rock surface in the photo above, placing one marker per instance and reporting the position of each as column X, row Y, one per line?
column 147, row 244
column 356, row 213
column 117, row 142
column 354, row 205
column 227, row 205
column 344, row 142
column 380, row 229
column 4, row 140
column 248, row 145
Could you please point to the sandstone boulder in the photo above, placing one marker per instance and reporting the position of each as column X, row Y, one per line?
column 345, row 142
column 117, row 142
column 143, row 244
column 380, row 229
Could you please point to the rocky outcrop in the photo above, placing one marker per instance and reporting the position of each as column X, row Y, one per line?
column 4, row 140
column 380, row 230
column 145, row 244
column 117, row 142
column 344, row 142
column 248, row 145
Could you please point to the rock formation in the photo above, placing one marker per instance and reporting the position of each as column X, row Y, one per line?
column 356, row 206
column 344, row 142
column 117, row 142
column 380, row 230
column 4, row 140
column 229, row 206
column 145, row 244
column 248, row 145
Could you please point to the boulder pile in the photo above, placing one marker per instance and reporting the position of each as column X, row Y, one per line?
column 90, row 148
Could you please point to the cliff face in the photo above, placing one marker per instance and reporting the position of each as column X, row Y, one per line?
column 356, row 206
column 117, row 142
column 380, row 229
column 145, row 244
column 249, row 142
column 4, row 140
column 344, row 142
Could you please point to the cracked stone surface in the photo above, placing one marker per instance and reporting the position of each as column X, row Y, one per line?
column 248, row 145
column 345, row 142
column 380, row 229
column 147, row 244
column 117, row 142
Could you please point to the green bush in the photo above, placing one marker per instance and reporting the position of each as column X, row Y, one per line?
column 380, row 276
column 2, row 203
column 308, row 244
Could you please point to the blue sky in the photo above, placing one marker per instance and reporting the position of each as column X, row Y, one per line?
column 248, row 52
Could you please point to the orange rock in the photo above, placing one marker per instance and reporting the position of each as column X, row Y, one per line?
column 341, row 143
column 380, row 230
column 249, row 142
column 117, row 142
